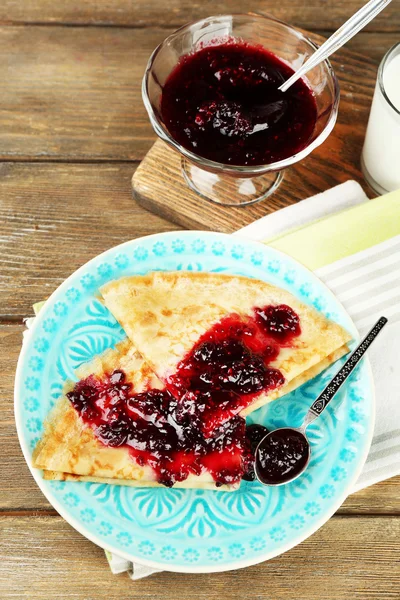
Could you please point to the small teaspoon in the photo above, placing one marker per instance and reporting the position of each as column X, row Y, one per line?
column 359, row 20
column 283, row 454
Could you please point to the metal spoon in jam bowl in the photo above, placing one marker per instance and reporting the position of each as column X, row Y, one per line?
column 282, row 455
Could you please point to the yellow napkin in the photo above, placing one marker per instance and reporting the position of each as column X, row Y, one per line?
column 345, row 233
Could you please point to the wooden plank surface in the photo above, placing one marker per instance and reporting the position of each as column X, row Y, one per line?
column 309, row 14
column 371, row 44
column 74, row 93
column 349, row 557
column 52, row 211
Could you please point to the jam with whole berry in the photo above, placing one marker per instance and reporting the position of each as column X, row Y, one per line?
column 282, row 456
column 148, row 425
column 231, row 365
column 223, row 103
column 194, row 425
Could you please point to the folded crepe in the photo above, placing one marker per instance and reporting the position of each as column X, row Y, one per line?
column 113, row 427
column 71, row 448
column 222, row 344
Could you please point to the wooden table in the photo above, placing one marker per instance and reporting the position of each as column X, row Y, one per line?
column 72, row 131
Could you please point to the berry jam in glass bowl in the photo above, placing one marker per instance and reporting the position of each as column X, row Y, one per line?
column 223, row 103
column 211, row 92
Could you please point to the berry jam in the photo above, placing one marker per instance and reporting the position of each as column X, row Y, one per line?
column 194, row 424
column 230, row 366
column 280, row 322
column 282, row 456
column 223, row 103
column 147, row 423
column 254, row 435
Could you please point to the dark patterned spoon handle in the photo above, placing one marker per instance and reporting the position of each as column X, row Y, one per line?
column 329, row 392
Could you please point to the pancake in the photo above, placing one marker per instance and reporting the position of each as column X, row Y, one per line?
column 172, row 316
column 71, row 443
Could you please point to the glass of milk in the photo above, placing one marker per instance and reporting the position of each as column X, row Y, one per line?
column 380, row 158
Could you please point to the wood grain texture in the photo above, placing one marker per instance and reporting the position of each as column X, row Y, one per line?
column 371, row 44
column 18, row 490
column 74, row 93
column 349, row 557
column 19, row 494
column 54, row 218
column 140, row 13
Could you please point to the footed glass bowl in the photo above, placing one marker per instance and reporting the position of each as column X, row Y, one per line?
column 225, row 183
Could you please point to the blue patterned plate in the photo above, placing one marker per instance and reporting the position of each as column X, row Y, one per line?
column 193, row 530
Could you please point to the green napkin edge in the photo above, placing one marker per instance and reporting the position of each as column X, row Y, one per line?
column 38, row 306
column 342, row 234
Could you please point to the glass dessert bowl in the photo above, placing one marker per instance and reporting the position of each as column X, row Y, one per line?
column 211, row 92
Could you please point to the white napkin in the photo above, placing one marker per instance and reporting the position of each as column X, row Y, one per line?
column 305, row 212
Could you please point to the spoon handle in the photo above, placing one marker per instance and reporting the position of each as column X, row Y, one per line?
column 339, row 38
column 329, row 392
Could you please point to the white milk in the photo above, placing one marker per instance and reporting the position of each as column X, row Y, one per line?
column 381, row 152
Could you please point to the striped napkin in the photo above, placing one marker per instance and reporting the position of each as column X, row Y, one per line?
column 368, row 285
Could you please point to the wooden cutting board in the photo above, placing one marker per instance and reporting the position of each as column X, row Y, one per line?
column 158, row 184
